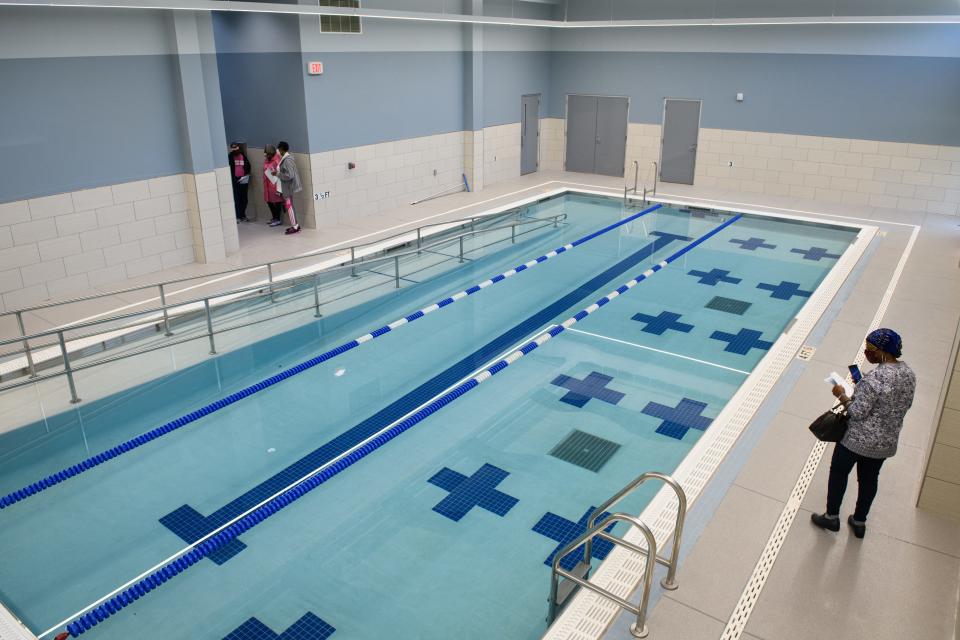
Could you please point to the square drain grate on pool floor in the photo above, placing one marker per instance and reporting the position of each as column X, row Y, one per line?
column 585, row 450
column 729, row 305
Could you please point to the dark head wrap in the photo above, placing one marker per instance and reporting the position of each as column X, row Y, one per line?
column 886, row 340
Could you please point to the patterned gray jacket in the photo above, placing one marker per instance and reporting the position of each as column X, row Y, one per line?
column 876, row 412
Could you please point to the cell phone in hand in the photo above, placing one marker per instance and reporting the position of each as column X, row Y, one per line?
column 855, row 373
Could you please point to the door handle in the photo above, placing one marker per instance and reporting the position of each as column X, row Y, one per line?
column 693, row 147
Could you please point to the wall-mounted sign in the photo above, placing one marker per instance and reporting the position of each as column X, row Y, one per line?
column 323, row 195
column 315, row 68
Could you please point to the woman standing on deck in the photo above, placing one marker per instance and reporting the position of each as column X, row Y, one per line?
column 876, row 412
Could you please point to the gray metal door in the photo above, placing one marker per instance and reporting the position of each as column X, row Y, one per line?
column 596, row 134
column 611, row 135
column 678, row 147
column 529, row 133
column 581, row 133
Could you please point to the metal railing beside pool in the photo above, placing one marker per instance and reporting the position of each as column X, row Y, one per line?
column 158, row 319
column 358, row 253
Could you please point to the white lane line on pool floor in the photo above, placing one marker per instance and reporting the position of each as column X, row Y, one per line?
column 668, row 353
column 737, row 623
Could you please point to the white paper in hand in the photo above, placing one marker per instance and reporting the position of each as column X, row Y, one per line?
column 836, row 378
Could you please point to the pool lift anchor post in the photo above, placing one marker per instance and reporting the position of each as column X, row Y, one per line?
column 166, row 317
column 74, row 398
column 316, row 296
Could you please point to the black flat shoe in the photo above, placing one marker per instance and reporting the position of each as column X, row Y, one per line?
column 822, row 521
column 859, row 530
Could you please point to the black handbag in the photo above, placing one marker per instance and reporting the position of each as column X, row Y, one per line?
column 832, row 425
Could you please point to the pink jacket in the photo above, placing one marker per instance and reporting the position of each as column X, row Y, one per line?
column 270, row 180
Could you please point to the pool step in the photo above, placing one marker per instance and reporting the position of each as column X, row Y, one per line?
column 569, row 587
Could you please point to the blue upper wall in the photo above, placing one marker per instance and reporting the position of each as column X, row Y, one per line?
column 508, row 75
column 366, row 98
column 103, row 85
column 898, row 99
column 262, row 98
column 75, row 123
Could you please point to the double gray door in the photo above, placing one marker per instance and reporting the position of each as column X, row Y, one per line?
column 678, row 147
column 529, row 133
column 596, row 134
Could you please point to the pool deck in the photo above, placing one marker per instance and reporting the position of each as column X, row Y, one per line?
column 902, row 580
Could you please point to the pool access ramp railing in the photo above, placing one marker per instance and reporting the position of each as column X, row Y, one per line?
column 597, row 527
column 60, row 350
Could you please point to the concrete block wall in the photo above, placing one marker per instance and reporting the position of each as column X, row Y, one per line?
column 388, row 175
column 909, row 177
column 58, row 246
column 552, row 141
column 213, row 224
column 501, row 153
column 61, row 246
column 941, row 485
column 895, row 175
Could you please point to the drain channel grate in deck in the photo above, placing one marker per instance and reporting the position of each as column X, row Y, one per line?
column 729, row 305
column 585, row 450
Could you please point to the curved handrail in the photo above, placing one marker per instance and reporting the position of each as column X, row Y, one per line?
column 640, row 628
column 669, row 581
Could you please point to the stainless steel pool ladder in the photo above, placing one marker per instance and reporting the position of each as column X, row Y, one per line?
column 579, row 576
column 636, row 176
column 656, row 173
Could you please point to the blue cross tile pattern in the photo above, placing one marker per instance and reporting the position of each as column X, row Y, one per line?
column 753, row 244
column 815, row 253
column 309, row 627
column 476, row 491
column 190, row 526
column 743, row 341
column 564, row 531
column 785, row 290
column 714, row 276
column 679, row 419
column 658, row 324
column 582, row 391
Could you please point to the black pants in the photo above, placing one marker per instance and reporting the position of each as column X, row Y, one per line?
column 240, row 199
column 868, row 470
column 276, row 209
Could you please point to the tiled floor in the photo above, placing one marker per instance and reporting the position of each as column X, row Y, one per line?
column 902, row 580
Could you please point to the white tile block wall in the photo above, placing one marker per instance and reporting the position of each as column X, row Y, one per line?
column 910, row 177
column 62, row 245
column 552, row 141
column 388, row 175
column 473, row 163
column 501, row 153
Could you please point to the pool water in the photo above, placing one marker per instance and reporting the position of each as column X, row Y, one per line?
column 446, row 530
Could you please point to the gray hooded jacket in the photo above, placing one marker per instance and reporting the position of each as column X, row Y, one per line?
column 289, row 176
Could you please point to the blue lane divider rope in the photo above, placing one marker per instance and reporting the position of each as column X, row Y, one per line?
column 98, row 459
column 215, row 540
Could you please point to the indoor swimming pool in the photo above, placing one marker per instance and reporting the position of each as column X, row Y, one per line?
column 417, row 478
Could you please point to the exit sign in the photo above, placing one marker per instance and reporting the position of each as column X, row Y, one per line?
column 315, row 68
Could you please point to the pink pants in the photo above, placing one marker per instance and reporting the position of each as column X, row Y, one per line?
column 288, row 203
